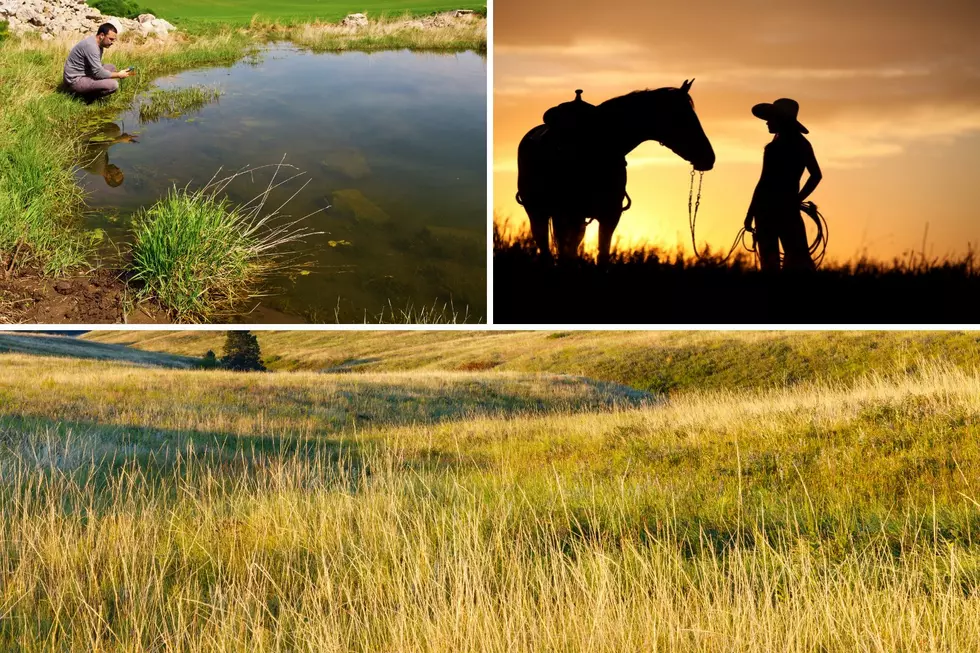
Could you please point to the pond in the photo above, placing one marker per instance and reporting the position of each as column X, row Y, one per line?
column 393, row 144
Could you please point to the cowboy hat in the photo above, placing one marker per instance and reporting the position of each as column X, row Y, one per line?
column 782, row 110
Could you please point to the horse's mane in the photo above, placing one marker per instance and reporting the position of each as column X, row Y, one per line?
column 643, row 95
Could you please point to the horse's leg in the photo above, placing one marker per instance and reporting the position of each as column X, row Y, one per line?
column 569, row 232
column 539, row 230
column 610, row 208
column 607, row 225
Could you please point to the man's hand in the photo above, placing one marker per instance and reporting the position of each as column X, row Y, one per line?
column 748, row 223
column 122, row 74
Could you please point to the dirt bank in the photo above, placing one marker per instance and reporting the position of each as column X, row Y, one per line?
column 99, row 297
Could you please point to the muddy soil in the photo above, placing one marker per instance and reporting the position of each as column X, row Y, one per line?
column 99, row 297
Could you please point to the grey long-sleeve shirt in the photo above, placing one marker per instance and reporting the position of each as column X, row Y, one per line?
column 85, row 60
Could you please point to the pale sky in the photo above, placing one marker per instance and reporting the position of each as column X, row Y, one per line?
column 890, row 92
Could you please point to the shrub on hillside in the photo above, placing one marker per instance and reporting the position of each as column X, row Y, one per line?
column 242, row 352
column 4, row 33
column 120, row 8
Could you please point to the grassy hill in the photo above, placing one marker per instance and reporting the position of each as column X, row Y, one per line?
column 67, row 346
column 649, row 361
column 439, row 510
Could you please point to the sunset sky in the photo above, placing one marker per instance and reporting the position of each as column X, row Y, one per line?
column 890, row 92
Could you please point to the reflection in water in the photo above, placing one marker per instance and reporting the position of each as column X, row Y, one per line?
column 96, row 159
column 394, row 143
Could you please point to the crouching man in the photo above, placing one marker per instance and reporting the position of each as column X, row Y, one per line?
column 84, row 72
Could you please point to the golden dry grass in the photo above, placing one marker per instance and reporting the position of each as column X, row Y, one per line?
column 437, row 511
column 428, row 33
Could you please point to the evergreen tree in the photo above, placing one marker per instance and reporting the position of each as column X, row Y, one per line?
column 242, row 352
column 210, row 361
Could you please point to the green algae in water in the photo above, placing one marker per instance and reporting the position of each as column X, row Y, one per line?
column 349, row 162
column 354, row 201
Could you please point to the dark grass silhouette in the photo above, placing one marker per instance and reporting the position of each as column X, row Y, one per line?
column 651, row 286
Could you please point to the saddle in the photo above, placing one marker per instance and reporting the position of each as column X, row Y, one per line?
column 575, row 116
column 573, row 126
column 581, row 171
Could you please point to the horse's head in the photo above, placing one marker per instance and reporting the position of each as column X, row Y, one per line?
column 679, row 129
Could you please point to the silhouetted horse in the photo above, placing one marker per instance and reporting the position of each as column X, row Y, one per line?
column 574, row 167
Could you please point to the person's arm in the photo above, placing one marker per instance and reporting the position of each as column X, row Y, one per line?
column 93, row 62
column 750, row 214
column 815, row 175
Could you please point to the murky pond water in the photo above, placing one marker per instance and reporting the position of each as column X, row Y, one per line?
column 394, row 143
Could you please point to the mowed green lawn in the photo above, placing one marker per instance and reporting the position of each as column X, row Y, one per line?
column 242, row 11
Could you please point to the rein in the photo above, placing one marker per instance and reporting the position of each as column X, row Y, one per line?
column 692, row 219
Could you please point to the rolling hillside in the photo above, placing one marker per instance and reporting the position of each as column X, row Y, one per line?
column 649, row 361
column 494, row 510
column 68, row 346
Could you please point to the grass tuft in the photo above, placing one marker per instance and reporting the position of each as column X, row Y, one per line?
column 436, row 313
column 174, row 102
column 199, row 255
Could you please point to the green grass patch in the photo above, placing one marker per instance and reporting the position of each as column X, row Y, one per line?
column 172, row 103
column 38, row 196
column 198, row 255
column 241, row 12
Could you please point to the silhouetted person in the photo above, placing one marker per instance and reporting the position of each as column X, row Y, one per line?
column 777, row 198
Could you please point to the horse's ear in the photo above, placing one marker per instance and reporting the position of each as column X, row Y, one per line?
column 686, row 86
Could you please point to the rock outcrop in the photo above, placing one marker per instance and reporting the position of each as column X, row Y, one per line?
column 354, row 20
column 55, row 18
column 444, row 19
